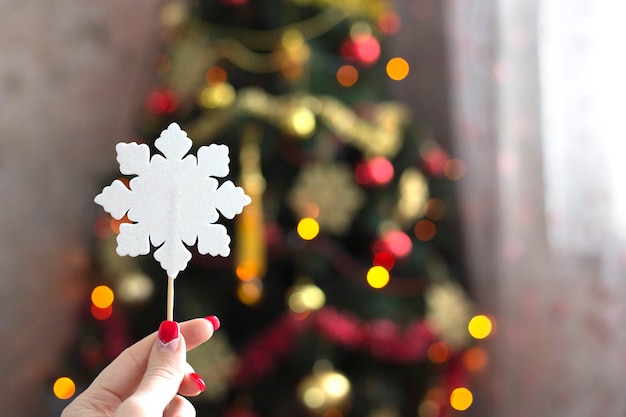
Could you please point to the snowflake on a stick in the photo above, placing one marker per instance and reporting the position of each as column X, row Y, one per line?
column 173, row 200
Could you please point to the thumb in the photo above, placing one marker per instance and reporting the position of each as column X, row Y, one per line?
column 164, row 374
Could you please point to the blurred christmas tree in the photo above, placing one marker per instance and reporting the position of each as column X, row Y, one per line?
column 344, row 294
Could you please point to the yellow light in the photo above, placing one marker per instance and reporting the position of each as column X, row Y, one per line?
column 428, row 408
column 218, row 96
column 335, row 385
column 308, row 228
column 135, row 287
column 461, row 399
column 377, row 277
column 302, row 122
column 306, row 297
column 64, row 388
column 480, row 327
column 250, row 292
column 102, row 296
column 314, row 397
column 397, row 69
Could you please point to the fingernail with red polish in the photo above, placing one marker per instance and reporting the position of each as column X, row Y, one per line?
column 168, row 334
column 214, row 321
column 198, row 381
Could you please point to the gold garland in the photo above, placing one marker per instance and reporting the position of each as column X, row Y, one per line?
column 296, row 114
column 267, row 40
column 371, row 8
column 263, row 51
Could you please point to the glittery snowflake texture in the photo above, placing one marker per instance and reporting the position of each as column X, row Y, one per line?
column 173, row 200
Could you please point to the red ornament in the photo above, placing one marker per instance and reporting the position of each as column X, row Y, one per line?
column 376, row 172
column 364, row 49
column 435, row 160
column 384, row 259
column 389, row 22
column 396, row 243
column 162, row 101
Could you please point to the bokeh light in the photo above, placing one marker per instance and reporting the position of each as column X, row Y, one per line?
column 247, row 271
column 377, row 277
column 308, row 228
column 438, row 352
column 250, row 292
column 305, row 297
column 377, row 171
column 389, row 22
column 434, row 157
column 435, row 209
column 396, row 242
column 215, row 76
column 428, row 408
column 116, row 223
column 436, row 394
column 135, row 287
column 174, row 13
column 475, row 359
column 218, row 96
column 162, row 101
column 381, row 170
column 461, row 399
column 425, row 230
column 347, row 75
column 454, row 169
column 324, row 390
column 397, row 68
column 101, row 313
column 362, row 47
column 102, row 296
column 64, row 388
column 480, row 326
column 302, row 122
column 384, row 259
column 102, row 228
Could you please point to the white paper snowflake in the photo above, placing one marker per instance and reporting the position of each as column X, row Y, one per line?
column 173, row 200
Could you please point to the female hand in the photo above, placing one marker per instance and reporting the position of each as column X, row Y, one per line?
column 149, row 378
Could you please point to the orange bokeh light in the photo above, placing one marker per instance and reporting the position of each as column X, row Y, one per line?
column 438, row 352
column 215, row 76
column 347, row 75
column 454, row 169
column 425, row 230
column 435, row 209
column 475, row 359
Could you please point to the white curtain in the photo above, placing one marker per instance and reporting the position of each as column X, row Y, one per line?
column 583, row 88
column 538, row 87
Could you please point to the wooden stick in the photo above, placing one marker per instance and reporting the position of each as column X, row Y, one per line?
column 170, row 299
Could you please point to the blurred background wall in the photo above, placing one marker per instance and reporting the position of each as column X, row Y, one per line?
column 71, row 80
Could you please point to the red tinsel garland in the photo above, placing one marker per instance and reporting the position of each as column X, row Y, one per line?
column 381, row 338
